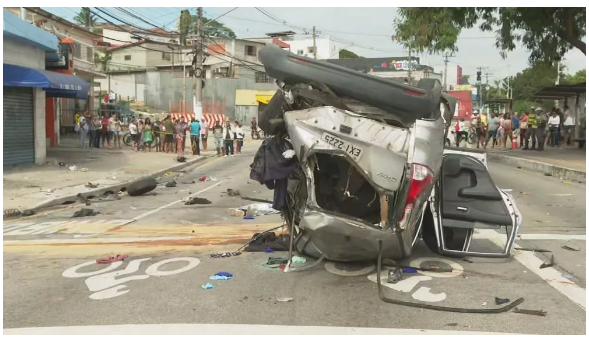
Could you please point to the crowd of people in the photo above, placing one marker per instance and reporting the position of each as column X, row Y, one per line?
column 169, row 135
column 539, row 127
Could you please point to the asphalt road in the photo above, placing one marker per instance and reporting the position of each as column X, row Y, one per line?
column 51, row 279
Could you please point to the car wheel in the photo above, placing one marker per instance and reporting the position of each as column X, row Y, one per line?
column 141, row 187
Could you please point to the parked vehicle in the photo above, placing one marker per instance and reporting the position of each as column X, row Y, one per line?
column 373, row 175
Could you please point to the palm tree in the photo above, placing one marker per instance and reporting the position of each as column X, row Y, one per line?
column 85, row 17
column 102, row 61
column 184, row 26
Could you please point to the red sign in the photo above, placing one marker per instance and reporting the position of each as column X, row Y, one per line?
column 464, row 103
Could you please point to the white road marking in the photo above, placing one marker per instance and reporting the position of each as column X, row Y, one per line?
column 174, row 202
column 560, row 195
column 564, row 237
column 52, row 227
column 228, row 329
column 552, row 276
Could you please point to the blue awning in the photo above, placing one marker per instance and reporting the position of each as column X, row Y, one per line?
column 54, row 84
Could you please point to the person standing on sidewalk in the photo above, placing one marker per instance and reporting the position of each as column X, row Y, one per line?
column 239, row 135
column 492, row 131
column 147, row 134
column 168, row 126
column 533, row 124
column 97, row 131
column 554, row 129
column 180, row 134
column 204, row 133
column 83, row 131
column 104, row 131
column 228, row 137
column 568, row 125
column 194, row 136
column 515, row 123
column 218, row 135
column 91, row 131
column 157, row 141
column 185, row 126
column 134, row 132
column 523, row 130
column 507, row 126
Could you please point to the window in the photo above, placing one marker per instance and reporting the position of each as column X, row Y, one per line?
column 300, row 52
column 250, row 50
column 127, row 57
column 77, row 50
column 310, row 50
column 166, row 56
column 90, row 54
column 261, row 77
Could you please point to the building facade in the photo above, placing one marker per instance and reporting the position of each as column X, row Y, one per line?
column 30, row 123
column 303, row 45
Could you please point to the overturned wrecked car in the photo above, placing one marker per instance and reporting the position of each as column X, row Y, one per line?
column 359, row 169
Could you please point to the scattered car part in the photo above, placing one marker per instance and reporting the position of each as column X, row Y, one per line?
column 171, row 183
column 547, row 265
column 506, row 308
column 141, row 187
column 84, row 212
column 500, row 301
column 83, row 199
column 530, row 312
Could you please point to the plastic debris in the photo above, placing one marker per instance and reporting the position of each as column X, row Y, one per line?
column 111, row 259
column 233, row 193
column 197, row 201
column 224, row 273
column 275, row 262
column 530, row 312
column 83, row 169
column 72, row 168
column 484, row 304
column 546, row 265
column 49, row 191
column 269, row 250
column 208, row 286
column 288, row 154
column 395, row 275
column 205, row 178
column 285, row 299
column 218, row 278
column 299, row 259
column 500, row 301
column 171, row 183
column 248, row 218
column 258, row 209
column 409, row 270
column 229, row 254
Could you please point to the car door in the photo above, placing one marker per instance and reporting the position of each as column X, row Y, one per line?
column 465, row 201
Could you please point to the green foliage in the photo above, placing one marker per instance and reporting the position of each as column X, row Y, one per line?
column 212, row 28
column 184, row 26
column 85, row 17
column 546, row 32
column 578, row 77
column 102, row 61
column 346, row 54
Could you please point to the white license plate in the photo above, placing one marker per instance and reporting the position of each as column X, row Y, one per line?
column 350, row 149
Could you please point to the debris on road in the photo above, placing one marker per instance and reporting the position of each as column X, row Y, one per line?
column 224, row 274
column 299, row 260
column 225, row 254
column 233, row 193
column 83, row 169
column 85, row 212
column 111, row 259
column 11, row 212
column 262, row 241
column 275, row 262
column 72, row 168
column 395, row 275
column 285, row 299
column 409, row 270
column 253, row 210
column 546, row 265
column 91, row 185
column 484, row 304
column 247, row 217
column 288, row 154
column 265, row 201
column 208, row 286
column 83, row 199
column 28, row 212
column 205, row 178
column 49, row 191
column 269, row 250
column 181, row 159
column 219, row 278
column 171, row 183
column 525, row 193
column 571, row 248
column 141, row 187
column 530, row 312
column 197, row 201
column 500, row 301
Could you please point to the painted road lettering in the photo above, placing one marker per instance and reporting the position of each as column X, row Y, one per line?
column 107, row 283
column 52, row 227
column 410, row 281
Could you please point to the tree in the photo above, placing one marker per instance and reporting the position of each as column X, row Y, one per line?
column 184, row 26
column 346, row 54
column 85, row 17
column 212, row 28
column 103, row 60
column 547, row 32
column 578, row 77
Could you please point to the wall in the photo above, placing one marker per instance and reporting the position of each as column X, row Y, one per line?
column 20, row 54
column 326, row 49
column 39, row 127
column 138, row 59
column 115, row 37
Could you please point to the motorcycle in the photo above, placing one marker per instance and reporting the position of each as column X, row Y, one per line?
column 370, row 176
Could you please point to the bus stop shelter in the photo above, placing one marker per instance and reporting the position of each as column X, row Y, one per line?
column 506, row 102
column 574, row 95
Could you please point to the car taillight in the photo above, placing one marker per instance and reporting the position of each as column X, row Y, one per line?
column 421, row 179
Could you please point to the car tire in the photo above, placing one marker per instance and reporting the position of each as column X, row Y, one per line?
column 141, row 187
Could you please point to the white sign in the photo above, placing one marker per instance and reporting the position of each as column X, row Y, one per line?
column 107, row 283
column 410, row 281
column 52, row 227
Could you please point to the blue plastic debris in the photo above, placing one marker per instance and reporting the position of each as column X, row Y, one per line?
column 409, row 270
column 248, row 218
column 208, row 286
column 298, row 260
column 218, row 278
column 269, row 250
column 224, row 273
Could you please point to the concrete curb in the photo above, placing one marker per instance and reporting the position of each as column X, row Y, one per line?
column 117, row 187
column 536, row 166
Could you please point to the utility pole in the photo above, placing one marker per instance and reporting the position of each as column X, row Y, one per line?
column 314, row 43
column 198, row 69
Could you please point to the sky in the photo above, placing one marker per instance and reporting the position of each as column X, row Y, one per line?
column 368, row 29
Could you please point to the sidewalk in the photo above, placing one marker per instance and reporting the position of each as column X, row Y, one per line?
column 568, row 163
column 27, row 187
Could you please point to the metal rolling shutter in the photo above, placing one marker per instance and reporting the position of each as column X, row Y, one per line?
column 18, row 129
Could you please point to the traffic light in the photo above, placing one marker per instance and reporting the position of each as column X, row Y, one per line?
column 479, row 76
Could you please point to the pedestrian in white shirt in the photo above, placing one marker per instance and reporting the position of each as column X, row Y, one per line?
column 134, row 131
column 554, row 129
column 239, row 135
column 568, row 124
